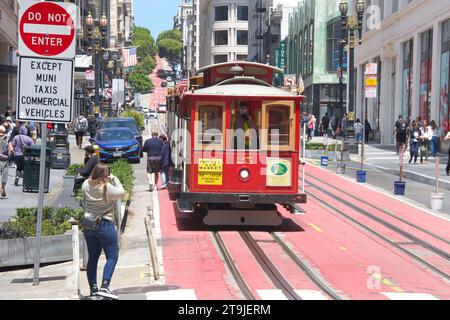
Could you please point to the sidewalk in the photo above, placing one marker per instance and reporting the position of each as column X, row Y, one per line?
column 385, row 158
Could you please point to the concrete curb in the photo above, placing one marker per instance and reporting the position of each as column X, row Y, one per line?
column 411, row 175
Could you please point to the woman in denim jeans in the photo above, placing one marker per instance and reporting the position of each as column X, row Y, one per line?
column 101, row 192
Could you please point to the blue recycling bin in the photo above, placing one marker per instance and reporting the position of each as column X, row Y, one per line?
column 361, row 176
column 324, row 161
column 399, row 188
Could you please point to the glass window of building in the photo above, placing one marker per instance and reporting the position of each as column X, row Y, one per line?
column 394, row 6
column 311, row 49
column 221, row 38
column 242, row 37
column 407, row 77
column 220, row 58
column 426, row 52
column 221, row 13
column 241, row 57
column 334, row 28
column 444, row 88
column 242, row 13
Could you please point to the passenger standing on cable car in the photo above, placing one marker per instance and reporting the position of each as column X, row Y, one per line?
column 244, row 123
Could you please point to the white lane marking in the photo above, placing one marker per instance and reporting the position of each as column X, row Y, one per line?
column 181, row 294
column 409, row 296
column 310, row 295
column 45, row 28
column 271, row 294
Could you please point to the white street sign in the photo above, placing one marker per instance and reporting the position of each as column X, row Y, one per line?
column 45, row 90
column 118, row 91
column 371, row 68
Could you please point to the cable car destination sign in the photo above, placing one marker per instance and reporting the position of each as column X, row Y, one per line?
column 46, row 66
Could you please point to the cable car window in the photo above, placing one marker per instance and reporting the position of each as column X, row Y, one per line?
column 210, row 122
column 279, row 124
column 245, row 124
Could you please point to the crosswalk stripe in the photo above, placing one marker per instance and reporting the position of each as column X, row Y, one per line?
column 310, row 295
column 271, row 294
column 409, row 296
column 180, row 294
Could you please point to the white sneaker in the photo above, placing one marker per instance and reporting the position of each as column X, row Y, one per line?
column 107, row 293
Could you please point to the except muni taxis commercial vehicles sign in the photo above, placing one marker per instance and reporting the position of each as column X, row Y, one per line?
column 45, row 90
column 279, row 172
column 47, row 29
column 210, row 172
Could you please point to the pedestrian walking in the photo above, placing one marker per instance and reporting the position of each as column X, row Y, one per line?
column 358, row 131
column 17, row 147
column 368, row 129
column 325, row 124
column 4, row 159
column 153, row 148
column 447, row 170
column 414, row 141
column 92, row 125
column 311, row 127
column 165, row 161
column 435, row 135
column 424, row 140
column 81, row 126
column 400, row 134
column 101, row 192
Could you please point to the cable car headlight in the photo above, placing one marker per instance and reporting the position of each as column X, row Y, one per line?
column 244, row 174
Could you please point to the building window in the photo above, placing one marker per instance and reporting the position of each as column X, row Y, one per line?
column 221, row 38
column 241, row 57
column 334, row 30
column 311, row 49
column 220, row 58
column 394, row 6
column 242, row 37
column 407, row 79
column 426, row 52
column 444, row 89
column 242, row 13
column 221, row 13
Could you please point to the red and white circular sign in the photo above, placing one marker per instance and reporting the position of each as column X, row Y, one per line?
column 47, row 29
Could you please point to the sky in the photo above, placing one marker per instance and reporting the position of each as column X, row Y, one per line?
column 155, row 15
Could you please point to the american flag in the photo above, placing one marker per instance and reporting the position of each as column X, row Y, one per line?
column 129, row 57
column 182, row 86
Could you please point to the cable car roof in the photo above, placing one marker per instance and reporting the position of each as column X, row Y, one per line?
column 240, row 90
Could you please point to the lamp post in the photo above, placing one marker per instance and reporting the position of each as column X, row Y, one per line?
column 350, row 24
column 97, row 36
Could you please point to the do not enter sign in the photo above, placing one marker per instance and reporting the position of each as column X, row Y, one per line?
column 47, row 29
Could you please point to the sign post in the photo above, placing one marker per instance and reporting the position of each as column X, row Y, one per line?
column 370, row 85
column 45, row 78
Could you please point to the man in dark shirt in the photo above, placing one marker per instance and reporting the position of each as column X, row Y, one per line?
column 325, row 124
column 401, row 133
column 90, row 161
column 153, row 148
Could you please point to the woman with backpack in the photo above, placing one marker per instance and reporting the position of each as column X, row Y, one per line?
column 81, row 126
column 4, row 160
column 17, row 147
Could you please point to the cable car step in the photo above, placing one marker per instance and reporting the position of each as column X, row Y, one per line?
column 243, row 218
column 184, row 206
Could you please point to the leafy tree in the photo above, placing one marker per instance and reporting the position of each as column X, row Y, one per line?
column 139, row 82
column 170, row 49
column 171, row 34
column 146, row 65
column 143, row 40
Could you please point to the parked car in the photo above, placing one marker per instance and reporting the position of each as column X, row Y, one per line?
column 169, row 79
column 129, row 123
column 163, row 84
column 117, row 143
column 152, row 114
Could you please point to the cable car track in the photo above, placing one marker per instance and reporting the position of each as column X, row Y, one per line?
column 279, row 281
column 386, row 224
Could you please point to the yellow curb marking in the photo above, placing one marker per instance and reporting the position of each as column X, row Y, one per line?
column 388, row 283
column 315, row 227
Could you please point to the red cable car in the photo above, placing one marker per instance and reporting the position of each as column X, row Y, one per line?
column 235, row 144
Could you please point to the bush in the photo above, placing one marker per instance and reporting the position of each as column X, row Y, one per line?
column 54, row 222
column 72, row 169
column 321, row 146
column 124, row 172
column 133, row 113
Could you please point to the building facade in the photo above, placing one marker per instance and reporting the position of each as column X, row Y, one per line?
column 410, row 41
column 8, row 53
column 184, row 21
column 313, row 54
column 267, row 27
column 222, row 29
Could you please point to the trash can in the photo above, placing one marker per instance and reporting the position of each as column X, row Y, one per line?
column 60, row 158
column 361, row 176
column 399, row 188
column 31, row 169
column 324, row 161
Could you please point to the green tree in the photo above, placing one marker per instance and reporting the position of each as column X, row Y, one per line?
column 143, row 40
column 146, row 65
column 171, row 34
column 170, row 49
column 140, row 82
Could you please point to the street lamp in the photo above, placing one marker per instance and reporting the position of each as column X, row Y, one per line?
column 97, row 36
column 349, row 25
